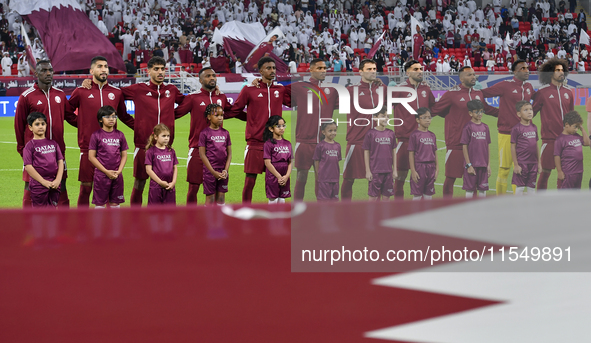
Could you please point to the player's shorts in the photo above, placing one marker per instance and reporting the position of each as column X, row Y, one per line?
column 106, row 190
column 303, row 155
column 476, row 182
column 528, row 177
column 354, row 166
column 547, row 154
column 86, row 172
column 27, row 177
column 194, row 167
column 572, row 181
column 426, row 184
column 328, row 191
column 161, row 196
column 381, row 184
column 211, row 185
column 272, row 187
column 139, row 168
column 42, row 196
column 253, row 160
column 454, row 163
column 402, row 162
column 505, row 157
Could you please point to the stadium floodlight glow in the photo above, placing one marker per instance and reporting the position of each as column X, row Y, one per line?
column 345, row 98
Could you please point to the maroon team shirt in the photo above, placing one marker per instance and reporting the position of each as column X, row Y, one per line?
column 108, row 146
column 525, row 138
column 279, row 152
column 328, row 156
column 88, row 102
column 477, row 138
column 162, row 162
column 43, row 155
column 216, row 143
column 553, row 102
column 368, row 99
column 380, row 145
column 509, row 93
column 570, row 150
column 425, row 98
column 424, row 144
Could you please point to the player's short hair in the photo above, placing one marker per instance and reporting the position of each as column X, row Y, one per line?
column 547, row 69
column 267, row 134
column 462, row 69
column 204, row 70
column 366, row 61
column 514, row 65
column 34, row 116
column 421, row 111
column 475, row 105
column 42, row 62
column 519, row 105
column 384, row 109
column 210, row 108
column 264, row 60
column 96, row 59
column 156, row 60
column 572, row 118
column 410, row 63
column 316, row 60
column 104, row 111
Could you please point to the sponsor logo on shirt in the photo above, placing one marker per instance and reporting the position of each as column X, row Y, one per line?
column 426, row 140
column 529, row 134
column 111, row 96
column 218, row 139
column 551, row 96
column 515, row 91
column 149, row 94
column 111, row 141
column 39, row 102
column 462, row 99
column 479, row 135
column 167, row 93
column 91, row 96
column 164, row 158
column 276, row 94
column 382, row 140
column 202, row 103
column 575, row 143
column 260, row 95
column 58, row 99
column 46, row 149
column 332, row 153
column 281, row 149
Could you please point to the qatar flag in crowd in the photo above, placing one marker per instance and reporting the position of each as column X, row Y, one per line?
column 376, row 46
column 243, row 40
column 70, row 39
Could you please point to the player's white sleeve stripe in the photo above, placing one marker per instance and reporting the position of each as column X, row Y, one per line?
column 245, row 152
column 349, row 154
column 542, row 149
column 190, row 155
column 447, row 155
column 135, row 152
column 398, row 146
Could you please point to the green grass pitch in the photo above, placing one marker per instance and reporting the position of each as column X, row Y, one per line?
column 11, row 185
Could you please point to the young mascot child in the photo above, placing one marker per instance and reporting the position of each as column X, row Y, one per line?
column 44, row 162
column 475, row 140
column 216, row 153
column 277, row 155
column 568, row 151
column 107, row 151
column 161, row 166
column 525, row 150
column 326, row 163
column 380, row 158
column 422, row 156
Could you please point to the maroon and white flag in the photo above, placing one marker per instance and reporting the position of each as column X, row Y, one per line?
column 376, row 46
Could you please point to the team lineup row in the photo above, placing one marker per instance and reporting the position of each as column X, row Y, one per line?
column 155, row 101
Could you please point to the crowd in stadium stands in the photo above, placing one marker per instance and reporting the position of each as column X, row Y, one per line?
column 341, row 32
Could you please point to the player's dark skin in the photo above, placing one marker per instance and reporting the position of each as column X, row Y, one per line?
column 44, row 75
